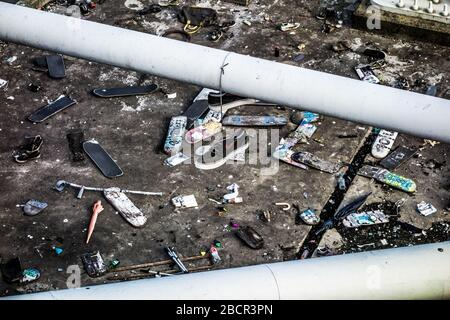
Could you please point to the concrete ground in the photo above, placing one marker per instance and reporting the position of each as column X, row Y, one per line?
column 133, row 130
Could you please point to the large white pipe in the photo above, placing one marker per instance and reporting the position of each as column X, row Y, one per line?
column 341, row 97
column 417, row 272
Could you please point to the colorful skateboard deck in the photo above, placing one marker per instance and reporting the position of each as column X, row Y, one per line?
column 203, row 132
column 254, row 121
column 102, row 159
column 125, row 207
column 125, row 91
column 397, row 157
column 389, row 178
column 315, row 162
column 284, row 153
column 309, row 217
column 51, row 109
column 175, row 135
column 383, row 143
column 358, row 219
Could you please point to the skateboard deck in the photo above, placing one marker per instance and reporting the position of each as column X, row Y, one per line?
column 315, row 162
column 254, row 121
column 175, row 135
column 365, row 73
column 195, row 111
column 34, row 207
column 125, row 207
column 383, row 143
column 284, row 153
column 102, row 159
column 358, row 219
column 55, row 65
column 93, row 264
column 387, row 177
column 125, row 91
column 214, row 98
column 397, row 157
column 309, row 217
column 203, row 132
column 51, row 109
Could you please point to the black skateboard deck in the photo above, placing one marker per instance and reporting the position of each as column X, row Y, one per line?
column 397, row 157
column 195, row 111
column 102, row 159
column 49, row 110
column 125, row 91
column 55, row 65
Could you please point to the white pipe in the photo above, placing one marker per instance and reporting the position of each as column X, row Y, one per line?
column 341, row 97
column 417, row 272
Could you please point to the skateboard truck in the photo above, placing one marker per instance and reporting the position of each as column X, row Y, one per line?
column 61, row 184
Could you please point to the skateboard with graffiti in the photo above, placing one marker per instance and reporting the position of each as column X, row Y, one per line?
column 125, row 207
column 358, row 219
column 388, row 178
column 203, row 132
column 102, row 159
column 315, row 162
column 175, row 135
column 383, row 143
column 254, row 121
column 125, row 91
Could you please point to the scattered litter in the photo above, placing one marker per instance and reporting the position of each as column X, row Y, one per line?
column 12, row 272
column 185, row 201
column 287, row 26
column 358, row 219
column 94, row 264
column 11, row 60
column 233, row 196
column 215, row 258
column 174, row 256
column 425, row 208
column 176, row 159
column 33, row 207
column 250, row 237
column 341, row 181
column 3, row 84
column 365, row 73
column 58, row 251
column 248, row 23
column 171, row 95
column 309, row 217
column 286, row 205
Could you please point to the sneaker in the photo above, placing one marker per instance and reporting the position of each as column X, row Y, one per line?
column 27, row 156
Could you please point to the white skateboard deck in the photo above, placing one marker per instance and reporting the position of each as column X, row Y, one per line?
column 383, row 143
column 125, row 207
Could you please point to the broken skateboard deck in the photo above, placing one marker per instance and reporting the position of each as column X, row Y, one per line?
column 315, row 162
column 175, row 135
column 102, row 159
column 284, row 153
column 387, row 177
column 125, row 91
column 125, row 207
column 93, row 264
column 358, row 219
column 51, row 109
column 397, row 157
column 254, row 121
column 383, row 143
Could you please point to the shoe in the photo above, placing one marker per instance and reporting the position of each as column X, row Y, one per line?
column 27, row 156
column 251, row 238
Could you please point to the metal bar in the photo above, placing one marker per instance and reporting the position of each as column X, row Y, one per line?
column 399, row 110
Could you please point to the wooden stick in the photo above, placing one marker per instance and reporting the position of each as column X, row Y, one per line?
column 137, row 276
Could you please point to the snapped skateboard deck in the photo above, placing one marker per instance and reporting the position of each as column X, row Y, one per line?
column 125, row 207
column 315, row 162
column 387, row 177
column 51, row 109
column 125, row 91
column 203, row 132
column 102, row 159
column 358, row 219
column 284, row 153
column 195, row 111
column 383, row 143
column 397, row 157
column 175, row 135
column 93, row 264
column 254, row 121
column 55, row 65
